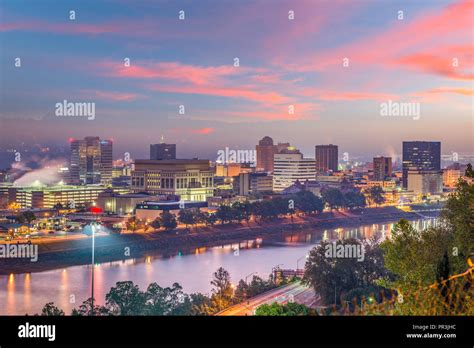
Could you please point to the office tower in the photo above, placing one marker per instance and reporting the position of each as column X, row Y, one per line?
column 382, row 168
column 191, row 179
column 326, row 158
column 291, row 167
column 424, row 182
column 91, row 161
column 265, row 151
column 162, row 151
column 420, row 156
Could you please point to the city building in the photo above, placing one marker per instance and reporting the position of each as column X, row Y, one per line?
column 162, row 151
column 451, row 177
column 326, row 158
column 382, row 168
column 191, row 179
column 49, row 196
column 265, row 151
column 254, row 183
column 290, row 167
column 91, row 161
column 122, row 204
column 423, row 182
column 420, row 156
column 150, row 210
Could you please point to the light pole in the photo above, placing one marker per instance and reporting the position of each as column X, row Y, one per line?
column 93, row 264
column 298, row 261
column 249, row 276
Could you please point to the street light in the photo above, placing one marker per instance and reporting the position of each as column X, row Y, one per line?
column 249, row 276
column 93, row 265
column 298, row 261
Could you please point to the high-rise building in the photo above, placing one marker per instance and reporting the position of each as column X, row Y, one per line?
column 326, row 158
column 265, row 151
column 91, row 161
column 420, row 156
column 423, row 182
column 191, row 179
column 291, row 167
column 162, row 151
column 382, row 168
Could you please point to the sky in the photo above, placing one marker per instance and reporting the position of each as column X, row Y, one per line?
column 333, row 63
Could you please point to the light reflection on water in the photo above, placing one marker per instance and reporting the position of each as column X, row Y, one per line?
column 28, row 293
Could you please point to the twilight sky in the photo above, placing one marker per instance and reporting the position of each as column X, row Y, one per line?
column 427, row 57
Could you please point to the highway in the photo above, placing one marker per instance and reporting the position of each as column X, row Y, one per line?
column 297, row 292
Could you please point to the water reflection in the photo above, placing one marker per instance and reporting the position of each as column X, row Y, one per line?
column 193, row 268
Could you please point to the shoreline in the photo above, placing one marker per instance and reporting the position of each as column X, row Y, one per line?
column 67, row 253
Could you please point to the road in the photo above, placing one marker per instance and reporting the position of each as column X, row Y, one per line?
column 296, row 291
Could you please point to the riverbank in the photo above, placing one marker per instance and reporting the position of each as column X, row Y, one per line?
column 65, row 253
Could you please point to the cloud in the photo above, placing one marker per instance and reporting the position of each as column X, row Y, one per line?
column 207, row 130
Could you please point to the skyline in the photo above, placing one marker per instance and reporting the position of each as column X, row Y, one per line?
column 283, row 63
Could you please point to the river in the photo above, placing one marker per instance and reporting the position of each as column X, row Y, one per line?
column 27, row 293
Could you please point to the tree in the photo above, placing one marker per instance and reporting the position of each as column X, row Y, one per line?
column 201, row 305
column 50, row 309
column 156, row 224
column 223, row 291
column 126, row 299
column 308, row 203
column 289, row 309
column 241, row 291
column 186, row 216
column 211, row 219
column 132, row 224
column 168, row 220
column 354, row 199
column 165, row 301
column 27, row 216
column 332, row 275
column 376, row 195
column 224, row 213
column 412, row 256
column 333, row 198
column 86, row 309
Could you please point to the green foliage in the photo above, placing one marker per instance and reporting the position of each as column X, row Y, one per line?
column 333, row 198
column 168, row 220
column 126, row 299
column 289, row 309
column 333, row 277
column 222, row 292
column 375, row 195
column 156, row 224
column 224, row 214
column 186, row 216
column 26, row 217
column 50, row 309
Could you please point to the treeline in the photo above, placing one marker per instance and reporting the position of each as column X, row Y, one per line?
column 126, row 298
column 303, row 202
column 412, row 272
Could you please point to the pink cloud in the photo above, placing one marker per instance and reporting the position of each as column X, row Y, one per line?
column 116, row 96
column 388, row 48
column 207, row 130
column 169, row 70
column 333, row 95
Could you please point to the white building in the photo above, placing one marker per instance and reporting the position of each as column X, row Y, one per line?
column 290, row 167
column 425, row 182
